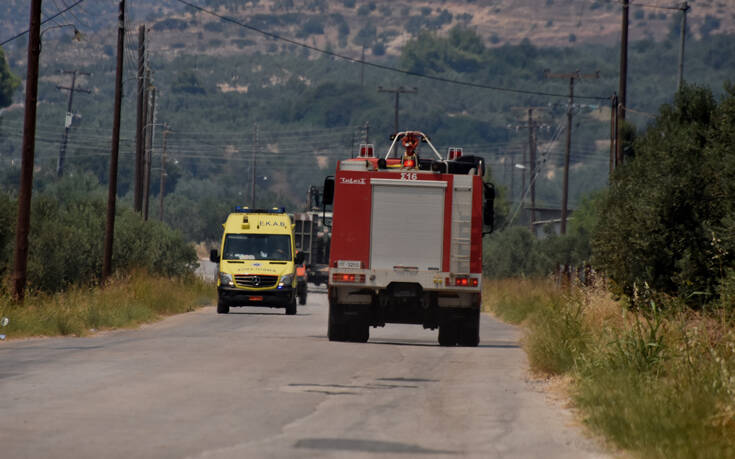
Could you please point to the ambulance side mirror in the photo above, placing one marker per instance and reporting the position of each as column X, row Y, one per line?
column 299, row 258
column 214, row 256
column 488, row 210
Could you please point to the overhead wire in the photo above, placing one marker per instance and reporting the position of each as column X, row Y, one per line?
column 377, row 65
column 51, row 18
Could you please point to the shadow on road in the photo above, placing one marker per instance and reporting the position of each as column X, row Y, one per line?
column 371, row 446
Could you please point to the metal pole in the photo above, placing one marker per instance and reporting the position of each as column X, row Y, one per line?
column 565, row 189
column 112, row 188
column 532, row 164
column 613, row 130
column 163, row 173
column 255, row 147
column 67, row 126
column 139, row 135
column 623, row 84
column 684, row 8
column 29, row 144
column 395, row 115
column 149, row 153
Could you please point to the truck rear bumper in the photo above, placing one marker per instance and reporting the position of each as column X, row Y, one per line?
column 273, row 298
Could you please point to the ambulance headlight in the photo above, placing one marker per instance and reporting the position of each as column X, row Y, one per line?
column 226, row 279
column 286, row 280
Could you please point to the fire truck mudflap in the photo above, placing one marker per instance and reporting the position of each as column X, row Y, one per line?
column 407, row 242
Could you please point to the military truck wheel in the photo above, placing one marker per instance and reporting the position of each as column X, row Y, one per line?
column 291, row 307
column 222, row 307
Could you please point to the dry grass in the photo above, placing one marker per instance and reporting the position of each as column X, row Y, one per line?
column 658, row 382
column 124, row 302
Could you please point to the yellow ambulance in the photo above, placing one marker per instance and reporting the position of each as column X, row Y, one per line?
column 257, row 260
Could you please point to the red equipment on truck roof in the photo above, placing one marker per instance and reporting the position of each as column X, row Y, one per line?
column 407, row 241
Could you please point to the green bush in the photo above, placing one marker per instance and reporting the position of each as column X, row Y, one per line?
column 66, row 239
column 667, row 220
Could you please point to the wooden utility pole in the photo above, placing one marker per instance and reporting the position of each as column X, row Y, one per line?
column 532, row 164
column 532, row 126
column 255, row 148
column 570, row 107
column 69, row 116
column 29, row 145
column 162, row 189
column 362, row 67
column 367, row 132
column 140, row 127
column 623, row 85
column 149, row 151
column 684, row 8
column 112, row 187
column 398, row 91
column 613, row 131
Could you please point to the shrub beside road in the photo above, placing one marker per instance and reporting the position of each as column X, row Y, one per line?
column 657, row 379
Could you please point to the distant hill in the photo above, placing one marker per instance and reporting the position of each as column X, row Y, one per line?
column 382, row 26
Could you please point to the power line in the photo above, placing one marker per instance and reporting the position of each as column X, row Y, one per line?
column 376, row 65
column 43, row 22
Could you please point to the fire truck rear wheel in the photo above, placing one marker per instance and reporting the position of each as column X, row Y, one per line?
column 222, row 307
column 447, row 333
column 469, row 332
column 336, row 327
column 359, row 330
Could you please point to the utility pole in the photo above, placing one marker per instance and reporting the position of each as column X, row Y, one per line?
column 29, row 138
column 684, row 8
column 362, row 67
column 149, row 151
column 565, row 190
column 68, row 119
column 398, row 91
column 367, row 132
column 532, row 126
column 140, row 127
column 623, row 85
column 112, row 187
column 162, row 189
column 255, row 148
column 613, row 131
column 532, row 164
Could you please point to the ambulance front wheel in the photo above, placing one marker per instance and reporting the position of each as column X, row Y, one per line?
column 291, row 307
column 222, row 307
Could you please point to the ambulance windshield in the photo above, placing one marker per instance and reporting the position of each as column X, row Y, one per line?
column 276, row 247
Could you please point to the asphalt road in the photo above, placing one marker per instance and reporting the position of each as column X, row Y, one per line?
column 258, row 383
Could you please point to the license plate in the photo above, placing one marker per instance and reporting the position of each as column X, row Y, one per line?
column 256, row 298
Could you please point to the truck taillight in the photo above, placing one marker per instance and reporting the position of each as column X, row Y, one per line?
column 461, row 282
column 348, row 277
column 409, row 163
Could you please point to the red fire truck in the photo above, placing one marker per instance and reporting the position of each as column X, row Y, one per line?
column 407, row 241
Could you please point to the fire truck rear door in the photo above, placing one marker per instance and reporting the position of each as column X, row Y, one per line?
column 407, row 224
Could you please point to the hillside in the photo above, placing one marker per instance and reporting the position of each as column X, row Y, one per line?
column 383, row 26
column 219, row 84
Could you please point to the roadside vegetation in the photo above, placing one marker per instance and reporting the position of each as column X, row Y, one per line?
column 153, row 264
column 125, row 301
column 657, row 379
column 650, row 351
